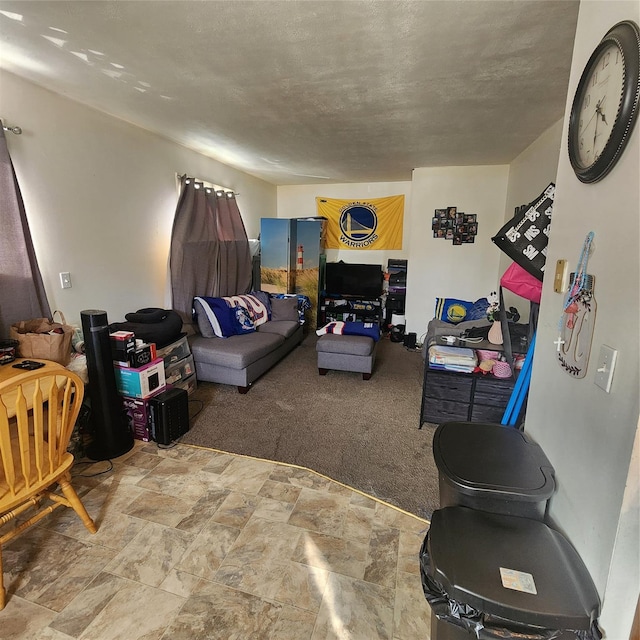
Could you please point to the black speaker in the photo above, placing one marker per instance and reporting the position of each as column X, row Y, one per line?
column 111, row 436
column 410, row 340
column 169, row 415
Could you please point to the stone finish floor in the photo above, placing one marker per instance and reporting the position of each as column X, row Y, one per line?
column 194, row 544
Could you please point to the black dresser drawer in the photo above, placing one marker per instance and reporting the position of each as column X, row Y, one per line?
column 438, row 411
column 485, row 413
column 493, row 391
column 443, row 385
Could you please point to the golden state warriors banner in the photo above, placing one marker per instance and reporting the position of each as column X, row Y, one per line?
column 374, row 223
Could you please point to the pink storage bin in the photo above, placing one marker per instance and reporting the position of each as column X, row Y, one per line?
column 485, row 354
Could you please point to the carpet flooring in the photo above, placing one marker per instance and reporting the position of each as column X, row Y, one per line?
column 363, row 434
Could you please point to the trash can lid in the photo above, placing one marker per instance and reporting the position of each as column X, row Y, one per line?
column 485, row 459
column 516, row 568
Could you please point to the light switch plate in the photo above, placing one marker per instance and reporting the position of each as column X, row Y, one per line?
column 606, row 364
column 65, row 280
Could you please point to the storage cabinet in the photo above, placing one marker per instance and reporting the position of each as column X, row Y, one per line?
column 469, row 397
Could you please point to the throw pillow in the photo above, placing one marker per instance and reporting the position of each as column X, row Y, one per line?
column 264, row 297
column 284, row 309
column 200, row 316
column 221, row 316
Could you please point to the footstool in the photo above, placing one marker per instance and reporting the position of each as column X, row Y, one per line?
column 346, row 353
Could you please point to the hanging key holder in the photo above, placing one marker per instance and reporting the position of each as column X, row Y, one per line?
column 578, row 317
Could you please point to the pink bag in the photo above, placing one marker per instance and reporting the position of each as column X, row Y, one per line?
column 521, row 282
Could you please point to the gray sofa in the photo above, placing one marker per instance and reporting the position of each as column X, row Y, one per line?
column 240, row 359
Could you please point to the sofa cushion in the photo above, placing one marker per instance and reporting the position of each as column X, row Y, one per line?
column 284, row 309
column 284, row 328
column 236, row 352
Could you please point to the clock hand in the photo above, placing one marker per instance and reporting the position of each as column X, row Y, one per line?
column 586, row 126
column 601, row 113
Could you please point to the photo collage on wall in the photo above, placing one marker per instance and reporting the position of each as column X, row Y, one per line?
column 451, row 224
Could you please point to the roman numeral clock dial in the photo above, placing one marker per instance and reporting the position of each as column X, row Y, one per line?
column 606, row 103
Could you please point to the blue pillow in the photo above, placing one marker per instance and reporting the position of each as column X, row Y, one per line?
column 452, row 310
column 220, row 315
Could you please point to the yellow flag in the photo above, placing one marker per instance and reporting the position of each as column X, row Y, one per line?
column 375, row 223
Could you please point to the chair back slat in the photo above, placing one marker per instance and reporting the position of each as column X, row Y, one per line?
column 6, row 456
column 38, row 429
column 52, row 426
column 22, row 417
column 66, row 424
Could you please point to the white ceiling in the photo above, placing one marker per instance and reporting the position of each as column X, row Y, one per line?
column 307, row 91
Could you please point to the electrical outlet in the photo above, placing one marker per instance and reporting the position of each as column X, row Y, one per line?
column 65, row 280
column 604, row 370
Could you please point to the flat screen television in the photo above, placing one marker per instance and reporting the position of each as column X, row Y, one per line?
column 354, row 280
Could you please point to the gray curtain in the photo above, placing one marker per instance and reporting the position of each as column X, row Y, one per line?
column 209, row 253
column 22, row 294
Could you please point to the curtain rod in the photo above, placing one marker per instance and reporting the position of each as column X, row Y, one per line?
column 225, row 189
column 16, row 130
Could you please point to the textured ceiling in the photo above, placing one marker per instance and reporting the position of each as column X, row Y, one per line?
column 299, row 92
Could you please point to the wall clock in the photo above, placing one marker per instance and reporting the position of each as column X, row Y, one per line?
column 605, row 105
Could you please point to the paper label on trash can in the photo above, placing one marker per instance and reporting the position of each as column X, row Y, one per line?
column 518, row 580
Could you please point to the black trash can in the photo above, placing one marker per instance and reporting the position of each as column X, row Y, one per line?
column 493, row 468
column 491, row 576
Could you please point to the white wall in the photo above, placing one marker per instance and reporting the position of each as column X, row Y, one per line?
column 589, row 434
column 100, row 196
column 437, row 268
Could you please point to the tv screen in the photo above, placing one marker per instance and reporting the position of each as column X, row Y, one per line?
column 355, row 280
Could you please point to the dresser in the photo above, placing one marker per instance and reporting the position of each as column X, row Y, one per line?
column 468, row 397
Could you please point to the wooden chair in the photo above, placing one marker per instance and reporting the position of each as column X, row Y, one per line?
column 38, row 411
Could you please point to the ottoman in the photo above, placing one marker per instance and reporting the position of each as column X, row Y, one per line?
column 346, row 353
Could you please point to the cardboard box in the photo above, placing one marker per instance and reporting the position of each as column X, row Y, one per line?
column 123, row 344
column 137, row 411
column 143, row 355
column 141, row 382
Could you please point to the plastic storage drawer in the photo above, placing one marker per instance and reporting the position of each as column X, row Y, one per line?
column 175, row 351
column 493, row 468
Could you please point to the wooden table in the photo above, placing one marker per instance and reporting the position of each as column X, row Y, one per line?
column 7, row 372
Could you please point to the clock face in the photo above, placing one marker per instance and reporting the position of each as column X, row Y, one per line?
column 599, row 104
column 605, row 105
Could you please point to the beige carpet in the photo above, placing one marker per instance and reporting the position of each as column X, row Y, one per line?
column 361, row 433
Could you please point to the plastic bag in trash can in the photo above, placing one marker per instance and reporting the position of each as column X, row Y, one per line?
column 482, row 625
